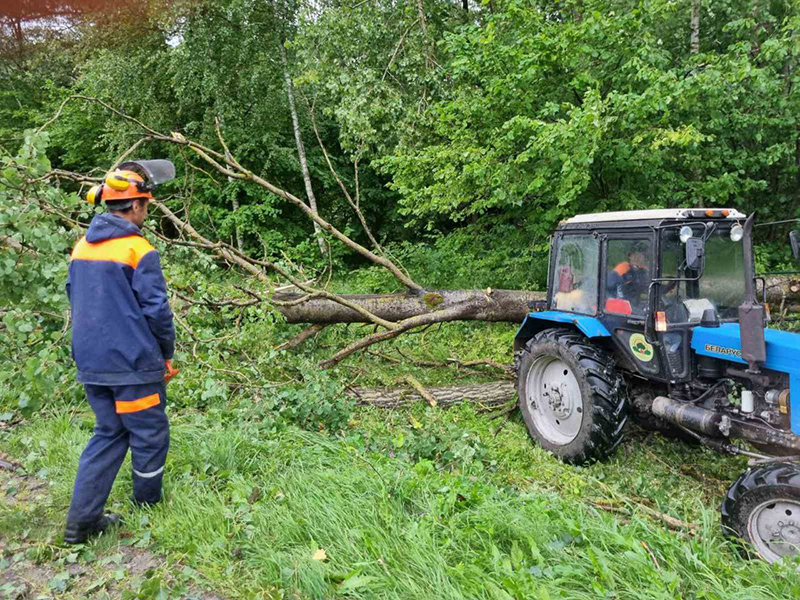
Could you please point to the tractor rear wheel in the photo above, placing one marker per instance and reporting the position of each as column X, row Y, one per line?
column 571, row 397
column 763, row 508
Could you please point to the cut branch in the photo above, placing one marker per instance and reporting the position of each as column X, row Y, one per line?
column 420, row 389
column 301, row 337
column 496, row 393
column 477, row 304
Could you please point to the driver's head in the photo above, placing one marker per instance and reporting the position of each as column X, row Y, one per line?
column 637, row 260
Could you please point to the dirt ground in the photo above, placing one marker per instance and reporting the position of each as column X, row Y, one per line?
column 35, row 564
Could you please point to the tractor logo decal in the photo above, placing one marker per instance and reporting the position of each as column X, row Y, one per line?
column 722, row 350
column 640, row 348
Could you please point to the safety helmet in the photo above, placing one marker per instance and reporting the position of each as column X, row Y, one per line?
column 129, row 181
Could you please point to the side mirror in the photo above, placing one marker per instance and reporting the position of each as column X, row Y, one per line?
column 794, row 240
column 695, row 253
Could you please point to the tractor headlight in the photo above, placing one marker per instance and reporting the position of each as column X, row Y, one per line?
column 685, row 233
column 737, row 232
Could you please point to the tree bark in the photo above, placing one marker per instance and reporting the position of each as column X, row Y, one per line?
column 495, row 393
column 430, row 62
column 235, row 203
column 301, row 150
column 694, row 40
column 783, row 295
column 467, row 305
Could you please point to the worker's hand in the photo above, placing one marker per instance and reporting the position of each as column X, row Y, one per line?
column 170, row 371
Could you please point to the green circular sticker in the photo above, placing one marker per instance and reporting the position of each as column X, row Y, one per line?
column 640, row 348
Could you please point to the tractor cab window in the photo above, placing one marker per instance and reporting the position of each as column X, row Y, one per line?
column 575, row 275
column 720, row 286
column 628, row 276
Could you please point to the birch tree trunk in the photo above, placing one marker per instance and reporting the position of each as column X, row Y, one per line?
column 694, row 40
column 235, row 203
column 694, row 48
column 301, row 149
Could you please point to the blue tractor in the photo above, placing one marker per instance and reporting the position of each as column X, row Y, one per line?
column 655, row 314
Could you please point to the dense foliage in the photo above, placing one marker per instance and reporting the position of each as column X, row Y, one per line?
column 503, row 118
column 607, row 112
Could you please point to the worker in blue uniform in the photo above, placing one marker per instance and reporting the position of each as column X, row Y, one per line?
column 123, row 342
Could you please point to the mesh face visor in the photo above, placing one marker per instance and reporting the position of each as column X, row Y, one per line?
column 154, row 172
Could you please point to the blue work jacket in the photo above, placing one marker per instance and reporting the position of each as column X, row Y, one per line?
column 122, row 327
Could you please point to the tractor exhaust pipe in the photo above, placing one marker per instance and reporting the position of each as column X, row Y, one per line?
column 687, row 415
column 751, row 314
column 717, row 425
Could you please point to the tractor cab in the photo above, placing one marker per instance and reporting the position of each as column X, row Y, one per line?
column 631, row 276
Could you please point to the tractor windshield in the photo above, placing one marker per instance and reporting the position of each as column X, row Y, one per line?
column 721, row 285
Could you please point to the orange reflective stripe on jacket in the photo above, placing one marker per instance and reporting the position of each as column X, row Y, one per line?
column 132, row 406
column 126, row 250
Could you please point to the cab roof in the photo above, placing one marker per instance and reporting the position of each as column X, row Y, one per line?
column 655, row 215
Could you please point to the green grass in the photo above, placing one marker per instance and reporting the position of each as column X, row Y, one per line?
column 248, row 509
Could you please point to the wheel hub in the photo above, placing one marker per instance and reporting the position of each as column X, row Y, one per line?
column 559, row 400
column 774, row 528
column 788, row 533
column 554, row 396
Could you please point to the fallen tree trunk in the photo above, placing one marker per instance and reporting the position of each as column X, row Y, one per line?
column 783, row 295
column 478, row 305
column 494, row 393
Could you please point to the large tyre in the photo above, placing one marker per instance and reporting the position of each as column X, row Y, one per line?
column 571, row 397
column 762, row 507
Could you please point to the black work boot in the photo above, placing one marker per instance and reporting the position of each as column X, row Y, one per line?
column 78, row 533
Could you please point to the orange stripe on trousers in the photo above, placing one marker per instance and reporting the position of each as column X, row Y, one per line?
column 133, row 406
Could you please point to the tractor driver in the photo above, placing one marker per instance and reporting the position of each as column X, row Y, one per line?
column 630, row 278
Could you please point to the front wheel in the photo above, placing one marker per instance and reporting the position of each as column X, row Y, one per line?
column 570, row 396
column 763, row 508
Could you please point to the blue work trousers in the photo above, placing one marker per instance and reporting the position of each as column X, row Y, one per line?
column 126, row 416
